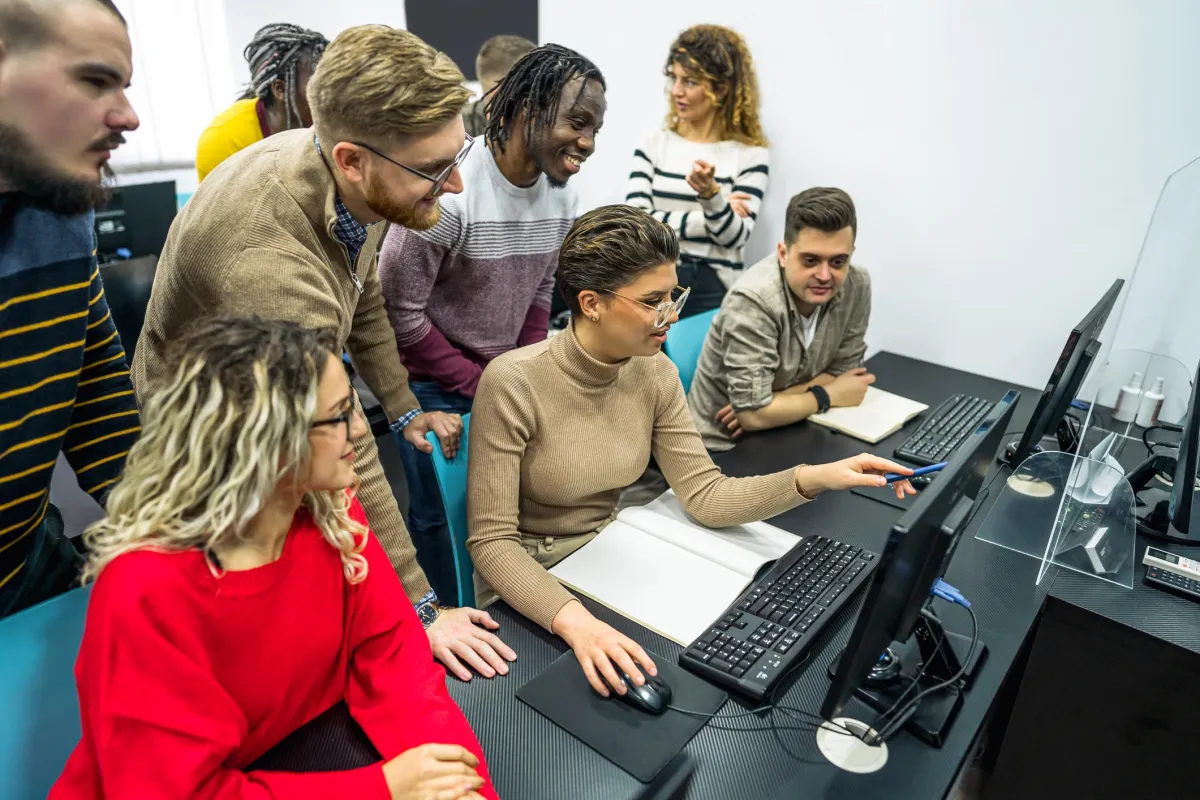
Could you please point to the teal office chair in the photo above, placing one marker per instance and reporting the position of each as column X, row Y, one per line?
column 452, row 486
column 39, row 721
column 684, row 343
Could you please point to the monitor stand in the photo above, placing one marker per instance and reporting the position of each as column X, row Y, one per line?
column 891, row 678
column 1153, row 503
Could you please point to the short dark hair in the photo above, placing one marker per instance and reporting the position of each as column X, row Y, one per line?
column 498, row 54
column 535, row 85
column 824, row 208
column 23, row 26
column 608, row 247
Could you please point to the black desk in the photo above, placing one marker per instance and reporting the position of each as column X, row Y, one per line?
column 531, row 758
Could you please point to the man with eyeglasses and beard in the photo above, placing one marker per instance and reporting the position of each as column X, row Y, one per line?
column 64, row 385
column 480, row 282
column 288, row 229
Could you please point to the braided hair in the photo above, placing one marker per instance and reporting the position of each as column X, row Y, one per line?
column 721, row 57
column 535, row 85
column 275, row 53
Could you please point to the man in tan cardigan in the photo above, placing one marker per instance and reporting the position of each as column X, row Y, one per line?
column 288, row 229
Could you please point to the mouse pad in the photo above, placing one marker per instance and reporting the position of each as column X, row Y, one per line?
column 885, row 495
column 637, row 742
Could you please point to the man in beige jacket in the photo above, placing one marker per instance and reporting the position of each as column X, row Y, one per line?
column 288, row 229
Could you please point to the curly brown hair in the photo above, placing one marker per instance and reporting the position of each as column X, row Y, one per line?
column 720, row 57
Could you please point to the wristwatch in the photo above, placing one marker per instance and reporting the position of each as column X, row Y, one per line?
column 427, row 609
column 822, row 398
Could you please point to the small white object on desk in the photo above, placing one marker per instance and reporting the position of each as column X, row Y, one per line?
column 877, row 417
column 1151, row 406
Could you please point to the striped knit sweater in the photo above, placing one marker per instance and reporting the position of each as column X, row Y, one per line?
column 555, row 436
column 480, row 282
column 708, row 229
column 63, row 380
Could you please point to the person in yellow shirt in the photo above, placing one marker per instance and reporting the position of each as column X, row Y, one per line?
column 281, row 58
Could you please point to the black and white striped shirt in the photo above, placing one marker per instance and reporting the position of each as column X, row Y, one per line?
column 708, row 230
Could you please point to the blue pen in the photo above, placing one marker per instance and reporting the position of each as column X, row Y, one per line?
column 892, row 477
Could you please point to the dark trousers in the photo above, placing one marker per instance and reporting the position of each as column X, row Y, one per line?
column 707, row 288
column 51, row 568
column 426, row 514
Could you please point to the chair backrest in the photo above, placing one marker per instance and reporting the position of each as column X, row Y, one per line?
column 452, row 485
column 127, row 286
column 684, row 343
column 39, row 707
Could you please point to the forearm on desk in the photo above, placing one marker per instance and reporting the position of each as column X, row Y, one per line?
column 787, row 406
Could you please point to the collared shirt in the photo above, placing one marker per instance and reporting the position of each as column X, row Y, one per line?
column 353, row 234
column 756, row 345
column 347, row 229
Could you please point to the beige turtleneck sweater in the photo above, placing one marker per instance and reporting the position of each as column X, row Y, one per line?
column 555, row 436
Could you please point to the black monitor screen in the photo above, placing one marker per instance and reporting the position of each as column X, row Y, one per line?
column 918, row 552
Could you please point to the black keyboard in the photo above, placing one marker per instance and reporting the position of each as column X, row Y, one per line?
column 778, row 617
column 943, row 430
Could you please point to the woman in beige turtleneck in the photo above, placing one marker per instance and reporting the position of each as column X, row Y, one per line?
column 559, row 427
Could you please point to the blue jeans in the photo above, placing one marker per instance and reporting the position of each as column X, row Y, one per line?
column 426, row 514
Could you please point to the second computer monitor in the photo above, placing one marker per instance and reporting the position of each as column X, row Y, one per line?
column 918, row 552
column 1069, row 371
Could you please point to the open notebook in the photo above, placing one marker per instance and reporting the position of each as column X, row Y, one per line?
column 662, row 569
column 877, row 417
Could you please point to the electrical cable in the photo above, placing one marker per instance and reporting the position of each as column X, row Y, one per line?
column 880, row 720
column 904, row 714
column 1161, row 426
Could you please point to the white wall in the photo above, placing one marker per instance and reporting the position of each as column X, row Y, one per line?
column 1005, row 157
column 245, row 17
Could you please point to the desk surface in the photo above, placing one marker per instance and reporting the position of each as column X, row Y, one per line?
column 530, row 757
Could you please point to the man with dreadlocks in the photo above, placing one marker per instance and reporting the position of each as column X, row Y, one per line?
column 479, row 283
column 282, row 58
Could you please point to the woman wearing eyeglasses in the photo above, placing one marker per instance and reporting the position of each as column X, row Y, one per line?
column 559, row 427
column 705, row 173
column 239, row 593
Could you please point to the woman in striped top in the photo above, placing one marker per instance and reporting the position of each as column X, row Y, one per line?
column 705, row 174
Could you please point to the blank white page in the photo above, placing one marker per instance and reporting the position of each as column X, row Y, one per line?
column 669, row 590
column 877, row 417
column 742, row 548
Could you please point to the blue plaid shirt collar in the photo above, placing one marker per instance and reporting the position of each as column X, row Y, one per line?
column 347, row 229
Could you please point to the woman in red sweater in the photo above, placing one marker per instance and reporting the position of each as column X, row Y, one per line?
column 239, row 594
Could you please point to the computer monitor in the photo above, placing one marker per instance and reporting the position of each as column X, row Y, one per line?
column 1167, row 513
column 897, row 637
column 1069, row 371
column 135, row 221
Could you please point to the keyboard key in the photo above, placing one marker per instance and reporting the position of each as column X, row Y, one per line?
column 738, row 672
column 721, row 664
column 791, row 618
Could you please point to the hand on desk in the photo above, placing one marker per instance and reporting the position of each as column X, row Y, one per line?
column 433, row 772
column 861, row 470
column 598, row 645
column 448, row 428
column 457, row 633
column 728, row 417
column 849, row 388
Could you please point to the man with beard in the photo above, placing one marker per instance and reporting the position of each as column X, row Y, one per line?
column 288, row 230
column 64, row 386
column 479, row 283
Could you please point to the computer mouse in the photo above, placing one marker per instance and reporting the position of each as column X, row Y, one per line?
column 652, row 697
column 920, row 482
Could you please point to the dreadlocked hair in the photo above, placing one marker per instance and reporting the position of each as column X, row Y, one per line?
column 276, row 53
column 535, row 85
column 720, row 57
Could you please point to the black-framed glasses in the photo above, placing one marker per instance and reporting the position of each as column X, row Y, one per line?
column 666, row 309
column 345, row 418
column 443, row 176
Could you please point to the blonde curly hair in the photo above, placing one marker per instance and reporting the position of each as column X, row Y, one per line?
column 219, row 435
column 719, row 57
